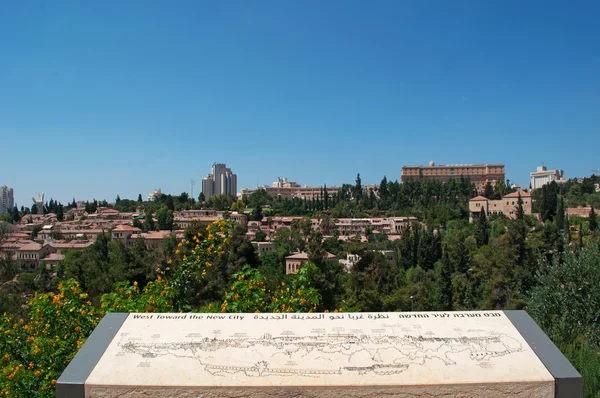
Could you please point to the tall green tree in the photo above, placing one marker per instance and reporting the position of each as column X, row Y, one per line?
column 257, row 213
column 488, row 191
column 444, row 284
column 164, row 219
column 481, row 230
column 15, row 215
column 383, row 188
column 358, row 188
column 201, row 198
column 60, row 213
column 139, row 199
column 592, row 222
column 560, row 213
column 149, row 220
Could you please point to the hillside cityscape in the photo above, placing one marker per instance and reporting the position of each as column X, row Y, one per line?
column 417, row 161
column 449, row 237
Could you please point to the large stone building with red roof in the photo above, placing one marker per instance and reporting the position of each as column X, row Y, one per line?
column 507, row 205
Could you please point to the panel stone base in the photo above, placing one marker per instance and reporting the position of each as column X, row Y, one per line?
column 499, row 390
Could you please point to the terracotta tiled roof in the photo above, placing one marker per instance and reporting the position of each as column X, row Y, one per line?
column 55, row 257
column 478, row 198
column 304, row 256
column 128, row 228
column 30, row 247
column 516, row 194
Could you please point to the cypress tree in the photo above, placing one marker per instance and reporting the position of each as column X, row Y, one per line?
column 560, row 213
column 444, row 284
column 60, row 212
column 593, row 223
column 481, row 231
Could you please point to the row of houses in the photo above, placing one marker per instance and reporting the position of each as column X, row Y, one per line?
column 30, row 255
column 345, row 226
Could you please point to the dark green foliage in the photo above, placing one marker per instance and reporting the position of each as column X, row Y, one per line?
column 164, row 217
column 257, row 213
column 60, row 212
column 149, row 221
column 489, row 191
column 592, row 222
column 444, row 284
column 560, row 213
column 566, row 300
column 481, row 232
column 35, row 230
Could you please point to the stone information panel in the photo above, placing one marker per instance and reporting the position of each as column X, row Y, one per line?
column 450, row 354
column 329, row 349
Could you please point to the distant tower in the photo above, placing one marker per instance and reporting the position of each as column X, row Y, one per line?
column 7, row 201
column 221, row 181
column 39, row 203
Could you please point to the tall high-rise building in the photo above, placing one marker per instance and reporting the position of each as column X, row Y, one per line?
column 221, row 181
column 7, row 201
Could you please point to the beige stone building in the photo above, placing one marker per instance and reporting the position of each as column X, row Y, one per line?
column 263, row 247
column 295, row 261
column 507, row 205
column 479, row 174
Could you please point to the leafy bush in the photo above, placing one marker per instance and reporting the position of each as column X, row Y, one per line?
column 35, row 353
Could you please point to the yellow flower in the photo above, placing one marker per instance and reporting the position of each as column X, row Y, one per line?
column 37, row 373
column 78, row 329
column 179, row 244
column 177, row 251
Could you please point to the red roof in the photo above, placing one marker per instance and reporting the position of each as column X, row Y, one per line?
column 516, row 194
column 478, row 198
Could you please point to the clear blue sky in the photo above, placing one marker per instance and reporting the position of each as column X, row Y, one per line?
column 99, row 98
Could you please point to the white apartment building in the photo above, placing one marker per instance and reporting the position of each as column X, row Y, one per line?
column 7, row 201
column 544, row 176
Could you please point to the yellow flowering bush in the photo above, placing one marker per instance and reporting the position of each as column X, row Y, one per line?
column 156, row 296
column 198, row 255
column 172, row 291
column 33, row 354
column 249, row 293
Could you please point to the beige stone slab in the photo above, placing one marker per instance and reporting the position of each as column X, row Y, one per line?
column 459, row 354
column 513, row 390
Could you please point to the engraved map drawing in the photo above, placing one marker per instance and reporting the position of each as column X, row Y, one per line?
column 314, row 349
